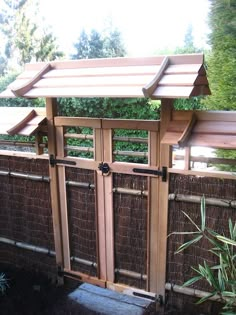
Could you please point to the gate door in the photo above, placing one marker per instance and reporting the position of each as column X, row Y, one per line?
column 108, row 181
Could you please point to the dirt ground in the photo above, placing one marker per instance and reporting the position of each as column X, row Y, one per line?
column 33, row 294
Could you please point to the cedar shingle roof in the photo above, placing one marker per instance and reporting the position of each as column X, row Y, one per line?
column 178, row 76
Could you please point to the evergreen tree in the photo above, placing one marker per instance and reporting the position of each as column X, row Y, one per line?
column 82, row 46
column 25, row 39
column 113, row 45
column 105, row 45
column 47, row 49
column 222, row 61
column 97, row 45
column 188, row 48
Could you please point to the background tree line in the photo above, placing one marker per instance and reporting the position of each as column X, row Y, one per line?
column 25, row 40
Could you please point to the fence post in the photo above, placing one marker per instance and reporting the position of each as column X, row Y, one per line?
column 162, row 221
column 51, row 112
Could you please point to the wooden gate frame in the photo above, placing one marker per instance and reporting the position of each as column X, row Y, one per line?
column 158, row 207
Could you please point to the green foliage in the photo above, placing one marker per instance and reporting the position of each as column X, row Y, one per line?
column 3, row 64
column 192, row 103
column 222, row 61
column 3, row 283
column 133, row 108
column 222, row 276
column 226, row 154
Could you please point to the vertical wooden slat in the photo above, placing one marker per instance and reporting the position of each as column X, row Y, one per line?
column 162, row 220
column 153, row 146
column 38, row 140
column 187, row 158
column 63, row 198
column 100, row 206
column 51, row 111
column 109, row 214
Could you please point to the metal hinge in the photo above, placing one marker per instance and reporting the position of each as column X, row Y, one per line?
column 53, row 161
column 162, row 173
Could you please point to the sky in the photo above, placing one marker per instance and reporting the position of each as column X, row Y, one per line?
column 147, row 26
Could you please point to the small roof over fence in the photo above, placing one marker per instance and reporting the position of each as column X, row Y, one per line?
column 178, row 76
column 21, row 120
column 202, row 128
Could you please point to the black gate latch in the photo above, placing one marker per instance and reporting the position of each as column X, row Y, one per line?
column 53, row 161
column 162, row 173
column 104, row 168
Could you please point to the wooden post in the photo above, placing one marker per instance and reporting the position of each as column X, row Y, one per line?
column 153, row 213
column 109, row 215
column 162, row 220
column 38, row 140
column 100, row 207
column 51, row 111
column 63, row 198
column 187, row 156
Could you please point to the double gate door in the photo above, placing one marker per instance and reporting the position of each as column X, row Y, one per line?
column 108, row 218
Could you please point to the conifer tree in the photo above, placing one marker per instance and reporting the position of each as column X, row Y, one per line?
column 222, row 61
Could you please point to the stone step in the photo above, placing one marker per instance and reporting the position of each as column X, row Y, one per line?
column 106, row 302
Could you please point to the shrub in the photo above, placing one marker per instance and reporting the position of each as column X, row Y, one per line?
column 3, row 282
column 222, row 276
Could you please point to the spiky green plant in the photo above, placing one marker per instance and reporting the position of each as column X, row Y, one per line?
column 3, row 283
column 222, row 276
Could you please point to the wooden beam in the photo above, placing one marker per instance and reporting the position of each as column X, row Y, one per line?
column 205, row 115
column 152, row 125
column 78, row 121
column 84, row 277
column 216, row 174
column 51, row 111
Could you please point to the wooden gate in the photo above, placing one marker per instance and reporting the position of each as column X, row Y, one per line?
column 120, row 246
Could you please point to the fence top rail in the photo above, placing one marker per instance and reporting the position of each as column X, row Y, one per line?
column 217, row 174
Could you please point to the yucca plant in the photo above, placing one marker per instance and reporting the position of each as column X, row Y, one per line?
column 221, row 277
column 3, row 283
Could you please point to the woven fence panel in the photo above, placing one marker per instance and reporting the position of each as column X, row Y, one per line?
column 130, row 213
column 25, row 212
column 82, row 219
column 24, row 165
column 179, row 265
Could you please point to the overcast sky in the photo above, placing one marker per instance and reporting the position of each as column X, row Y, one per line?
column 147, row 26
